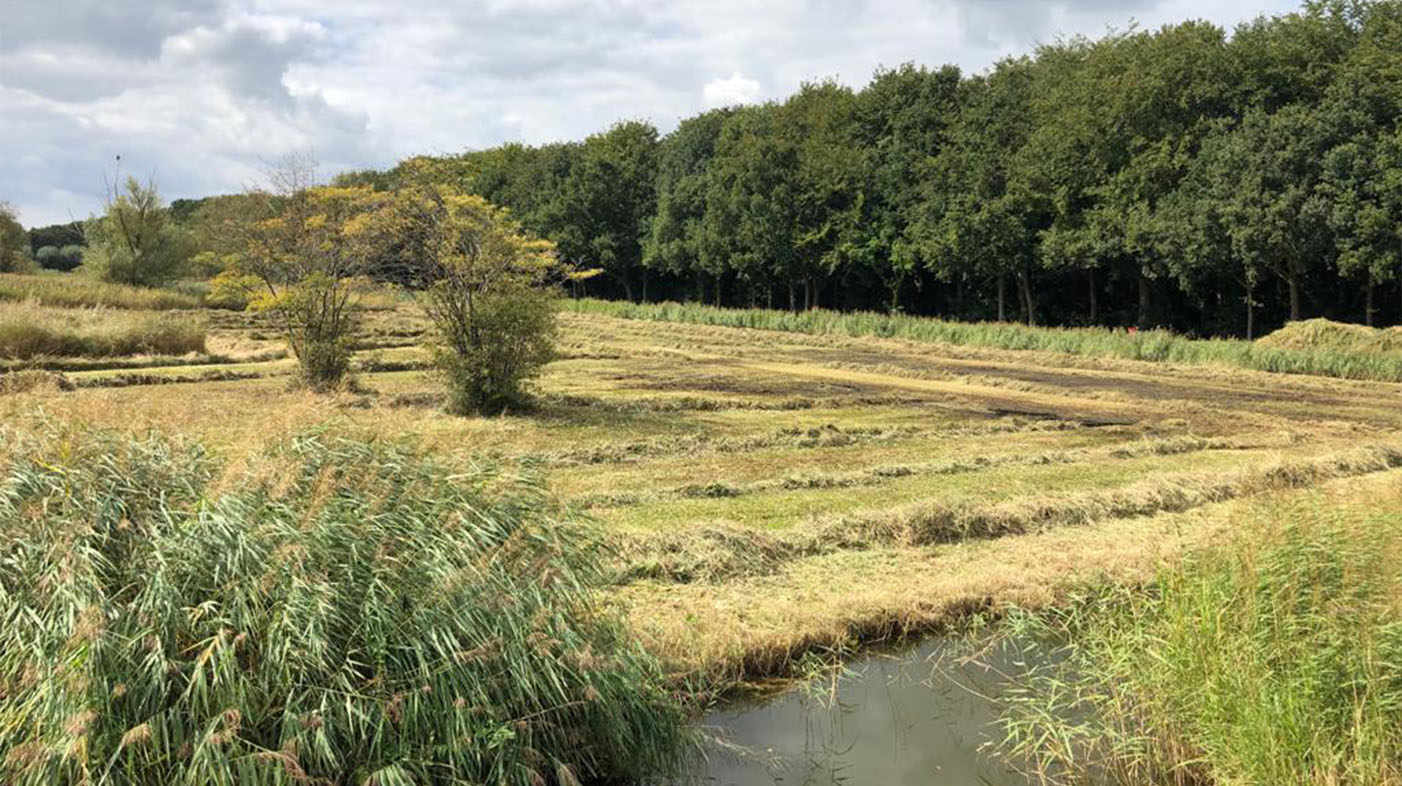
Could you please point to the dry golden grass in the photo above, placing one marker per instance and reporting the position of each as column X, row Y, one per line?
column 770, row 492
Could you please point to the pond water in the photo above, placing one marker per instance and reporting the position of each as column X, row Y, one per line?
column 919, row 717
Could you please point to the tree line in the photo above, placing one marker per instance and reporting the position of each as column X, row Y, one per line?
column 1181, row 177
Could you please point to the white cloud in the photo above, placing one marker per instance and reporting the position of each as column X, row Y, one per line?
column 735, row 89
column 203, row 91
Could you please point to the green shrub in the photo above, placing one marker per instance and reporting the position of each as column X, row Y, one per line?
column 329, row 611
column 61, row 259
column 1275, row 658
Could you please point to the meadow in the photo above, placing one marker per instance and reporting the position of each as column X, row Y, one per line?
column 765, row 486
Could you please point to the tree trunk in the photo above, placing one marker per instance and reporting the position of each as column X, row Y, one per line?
column 793, row 306
column 1024, row 280
column 1250, row 314
column 895, row 304
column 807, row 292
column 644, row 285
column 720, row 287
column 1002, row 298
column 1368, row 303
column 627, row 286
column 1093, row 299
column 959, row 296
column 1144, row 302
column 1294, row 282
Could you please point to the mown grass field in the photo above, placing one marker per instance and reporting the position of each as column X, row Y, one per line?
column 767, row 492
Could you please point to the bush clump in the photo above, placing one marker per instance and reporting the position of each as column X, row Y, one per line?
column 326, row 611
column 489, row 289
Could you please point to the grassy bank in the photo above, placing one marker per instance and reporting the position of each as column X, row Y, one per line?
column 74, row 290
column 1275, row 657
column 1148, row 345
column 29, row 330
column 319, row 611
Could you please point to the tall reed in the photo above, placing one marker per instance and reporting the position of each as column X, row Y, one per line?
column 328, row 611
column 1274, row 659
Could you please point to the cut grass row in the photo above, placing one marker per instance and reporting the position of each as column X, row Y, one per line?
column 876, row 475
column 1149, row 345
column 720, row 551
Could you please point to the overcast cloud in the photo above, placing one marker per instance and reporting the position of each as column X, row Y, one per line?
column 201, row 92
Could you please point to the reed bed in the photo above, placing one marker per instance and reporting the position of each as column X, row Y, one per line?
column 322, row 611
column 1273, row 658
column 29, row 330
column 74, row 290
column 1157, row 346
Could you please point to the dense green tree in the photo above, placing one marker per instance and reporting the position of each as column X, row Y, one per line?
column 751, row 214
column 57, row 235
column 14, row 243
column 678, row 243
column 982, row 220
column 1363, row 170
column 135, row 241
column 903, row 118
column 603, row 208
column 818, row 123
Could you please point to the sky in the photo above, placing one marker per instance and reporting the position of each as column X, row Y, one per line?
column 203, row 94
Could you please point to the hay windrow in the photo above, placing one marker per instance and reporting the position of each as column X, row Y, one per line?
column 718, row 552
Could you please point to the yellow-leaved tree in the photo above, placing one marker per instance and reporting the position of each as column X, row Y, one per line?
column 299, row 252
column 488, row 288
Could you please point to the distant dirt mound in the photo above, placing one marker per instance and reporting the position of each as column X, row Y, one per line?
column 1325, row 334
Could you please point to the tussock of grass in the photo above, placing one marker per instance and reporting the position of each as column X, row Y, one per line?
column 29, row 330
column 1149, row 345
column 72, row 290
column 1273, row 658
column 721, row 551
column 327, row 611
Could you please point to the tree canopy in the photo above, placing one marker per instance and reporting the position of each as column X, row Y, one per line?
column 1213, row 181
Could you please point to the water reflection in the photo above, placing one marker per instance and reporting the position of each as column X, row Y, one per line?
column 922, row 717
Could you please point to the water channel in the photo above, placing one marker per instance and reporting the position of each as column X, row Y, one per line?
column 922, row 716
